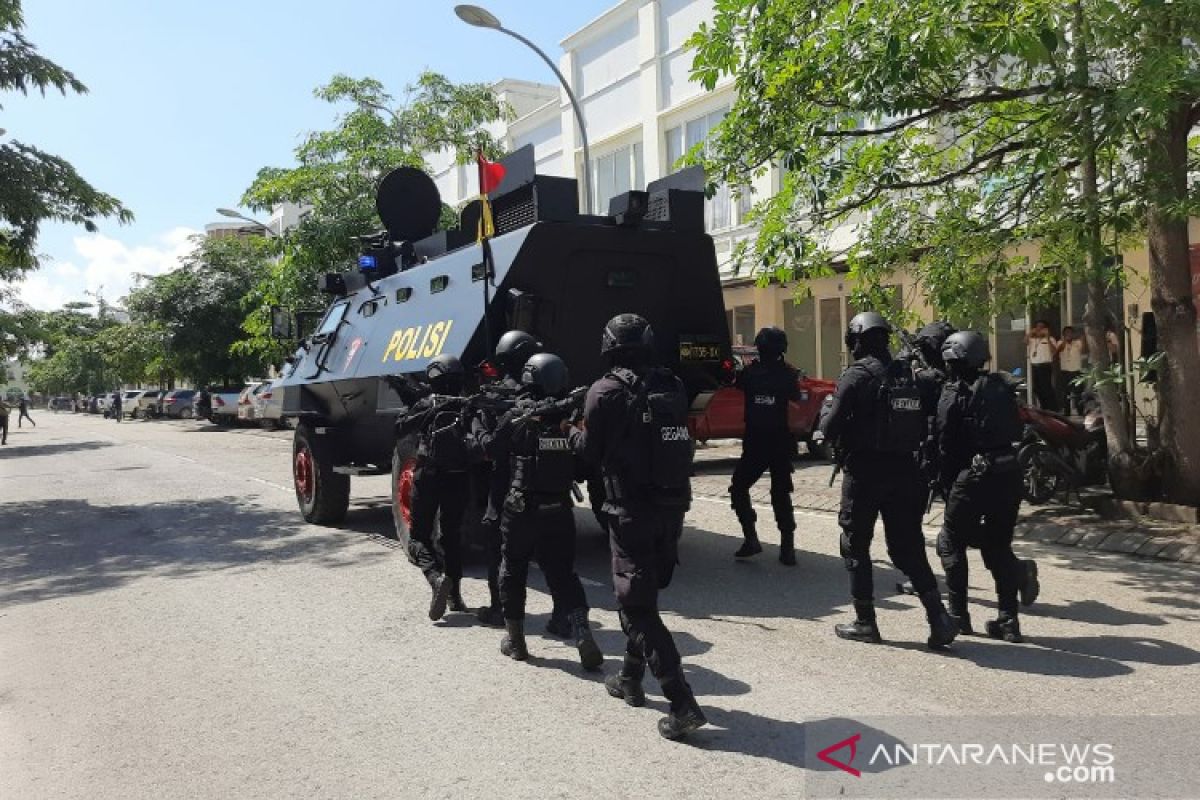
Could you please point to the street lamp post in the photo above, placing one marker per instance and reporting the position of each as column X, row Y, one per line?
column 482, row 18
column 229, row 212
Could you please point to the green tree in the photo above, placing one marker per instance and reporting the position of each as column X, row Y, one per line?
column 338, row 170
column 197, row 309
column 36, row 186
column 937, row 136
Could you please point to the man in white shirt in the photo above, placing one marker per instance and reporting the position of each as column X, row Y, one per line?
column 1071, row 350
column 1042, row 348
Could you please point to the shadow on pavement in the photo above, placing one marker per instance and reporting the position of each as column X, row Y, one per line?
column 62, row 548
column 30, row 450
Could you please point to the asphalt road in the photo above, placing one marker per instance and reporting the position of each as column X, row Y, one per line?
column 170, row 628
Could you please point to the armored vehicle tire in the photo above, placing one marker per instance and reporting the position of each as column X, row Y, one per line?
column 404, row 461
column 323, row 495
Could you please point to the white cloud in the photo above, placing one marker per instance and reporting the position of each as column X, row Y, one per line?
column 103, row 262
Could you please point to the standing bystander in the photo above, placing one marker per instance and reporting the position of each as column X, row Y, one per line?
column 1042, row 347
column 1071, row 350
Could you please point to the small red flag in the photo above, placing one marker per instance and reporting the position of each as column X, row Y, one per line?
column 490, row 174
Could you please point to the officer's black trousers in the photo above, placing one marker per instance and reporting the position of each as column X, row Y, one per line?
column 548, row 534
column 762, row 454
column 645, row 548
column 441, row 498
column 981, row 512
column 876, row 485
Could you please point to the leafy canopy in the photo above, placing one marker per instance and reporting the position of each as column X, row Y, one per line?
column 36, row 186
column 939, row 135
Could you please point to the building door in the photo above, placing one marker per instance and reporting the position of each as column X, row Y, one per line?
column 833, row 350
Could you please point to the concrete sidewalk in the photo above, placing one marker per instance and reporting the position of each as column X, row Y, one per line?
column 1069, row 526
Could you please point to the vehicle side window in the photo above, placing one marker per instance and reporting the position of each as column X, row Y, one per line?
column 332, row 319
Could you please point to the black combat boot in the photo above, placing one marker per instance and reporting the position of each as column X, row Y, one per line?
column 490, row 616
column 942, row 627
column 1005, row 627
column 863, row 628
column 454, row 601
column 751, row 546
column 513, row 643
column 559, row 624
column 1029, row 586
column 960, row 614
column 589, row 652
column 440, row 585
column 627, row 683
column 787, row 547
column 685, row 715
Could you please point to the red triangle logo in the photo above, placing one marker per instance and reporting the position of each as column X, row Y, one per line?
column 852, row 743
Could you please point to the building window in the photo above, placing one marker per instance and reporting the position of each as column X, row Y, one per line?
column 743, row 325
column 682, row 138
column 616, row 173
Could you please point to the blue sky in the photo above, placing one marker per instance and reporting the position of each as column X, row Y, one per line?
column 189, row 100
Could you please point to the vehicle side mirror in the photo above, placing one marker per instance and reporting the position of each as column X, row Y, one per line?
column 282, row 325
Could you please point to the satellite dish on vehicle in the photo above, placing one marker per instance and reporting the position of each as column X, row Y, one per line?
column 408, row 204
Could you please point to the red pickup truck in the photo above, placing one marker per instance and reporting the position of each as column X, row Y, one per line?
column 720, row 414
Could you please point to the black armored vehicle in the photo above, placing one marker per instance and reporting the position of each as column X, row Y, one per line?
column 548, row 270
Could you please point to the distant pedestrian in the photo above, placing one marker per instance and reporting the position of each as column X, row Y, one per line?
column 1042, row 347
column 1071, row 350
column 4, row 409
column 115, row 407
column 23, row 406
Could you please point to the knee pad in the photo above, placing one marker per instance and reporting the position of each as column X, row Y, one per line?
column 945, row 544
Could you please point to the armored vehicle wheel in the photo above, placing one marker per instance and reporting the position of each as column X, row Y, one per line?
column 323, row 494
column 404, row 461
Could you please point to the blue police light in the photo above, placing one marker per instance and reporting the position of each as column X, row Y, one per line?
column 366, row 263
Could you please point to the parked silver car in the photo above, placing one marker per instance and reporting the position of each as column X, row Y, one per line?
column 246, row 410
column 180, row 404
column 268, row 407
column 145, row 404
column 225, row 405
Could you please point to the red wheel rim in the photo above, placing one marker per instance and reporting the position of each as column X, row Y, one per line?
column 303, row 470
column 404, row 489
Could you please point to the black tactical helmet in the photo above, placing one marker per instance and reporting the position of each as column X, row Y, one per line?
column 968, row 348
column 444, row 366
column 863, row 323
column 936, row 333
column 627, row 332
column 547, row 373
column 771, row 342
column 515, row 348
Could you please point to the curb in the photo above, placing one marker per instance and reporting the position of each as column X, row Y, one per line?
column 1102, row 536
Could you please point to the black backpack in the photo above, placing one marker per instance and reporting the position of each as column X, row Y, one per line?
column 657, row 448
column 443, row 440
column 901, row 424
column 549, row 466
column 992, row 417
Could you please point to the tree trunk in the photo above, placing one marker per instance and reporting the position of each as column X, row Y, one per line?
column 1171, row 299
column 1122, row 472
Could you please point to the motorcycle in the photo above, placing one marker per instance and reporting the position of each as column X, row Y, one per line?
column 1058, row 453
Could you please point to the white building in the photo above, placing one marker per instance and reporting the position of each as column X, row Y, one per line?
column 630, row 70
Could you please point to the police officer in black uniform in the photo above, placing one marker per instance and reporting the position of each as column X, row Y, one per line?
column 977, row 423
column 537, row 442
column 646, row 465
column 878, row 421
column 440, row 482
column 768, row 385
column 512, row 351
